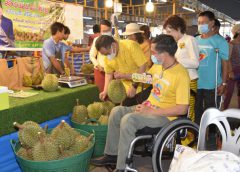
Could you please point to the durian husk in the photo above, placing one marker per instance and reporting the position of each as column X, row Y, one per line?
column 95, row 110
column 87, row 68
column 81, row 144
column 79, row 113
column 103, row 120
column 50, row 83
column 27, row 81
column 116, row 91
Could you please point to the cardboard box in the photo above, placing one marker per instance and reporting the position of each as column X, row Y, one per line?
column 4, row 98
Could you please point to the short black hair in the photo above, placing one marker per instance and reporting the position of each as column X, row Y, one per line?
column 165, row 43
column 106, row 23
column 210, row 15
column 104, row 41
column 217, row 23
column 146, row 31
column 66, row 30
column 96, row 28
column 176, row 23
column 56, row 26
column 139, row 37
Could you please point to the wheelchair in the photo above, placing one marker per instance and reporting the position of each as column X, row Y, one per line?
column 160, row 142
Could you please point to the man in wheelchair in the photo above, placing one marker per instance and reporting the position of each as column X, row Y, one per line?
column 168, row 99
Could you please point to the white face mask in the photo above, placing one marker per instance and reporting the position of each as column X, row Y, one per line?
column 107, row 33
column 112, row 55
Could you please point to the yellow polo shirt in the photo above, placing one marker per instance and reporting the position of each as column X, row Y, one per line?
column 128, row 60
column 169, row 90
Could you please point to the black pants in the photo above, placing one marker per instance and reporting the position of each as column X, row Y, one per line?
column 204, row 100
column 138, row 98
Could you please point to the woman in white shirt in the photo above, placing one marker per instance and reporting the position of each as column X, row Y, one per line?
column 187, row 53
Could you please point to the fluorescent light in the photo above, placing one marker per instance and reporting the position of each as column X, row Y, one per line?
column 189, row 9
column 220, row 20
column 109, row 3
column 121, row 21
column 149, row 6
column 88, row 18
column 162, row 0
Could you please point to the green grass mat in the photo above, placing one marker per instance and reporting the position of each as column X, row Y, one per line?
column 45, row 106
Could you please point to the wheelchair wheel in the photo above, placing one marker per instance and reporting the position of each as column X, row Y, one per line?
column 180, row 131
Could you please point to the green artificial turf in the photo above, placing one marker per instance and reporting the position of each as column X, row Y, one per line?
column 45, row 106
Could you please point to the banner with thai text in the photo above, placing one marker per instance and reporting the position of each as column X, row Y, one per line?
column 26, row 23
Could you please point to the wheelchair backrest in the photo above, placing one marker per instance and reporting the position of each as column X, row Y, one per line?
column 230, row 136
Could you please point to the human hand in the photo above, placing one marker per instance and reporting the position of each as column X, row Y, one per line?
column 103, row 95
column 221, row 89
column 131, row 92
column 100, row 68
column 118, row 75
column 144, row 109
column 231, row 75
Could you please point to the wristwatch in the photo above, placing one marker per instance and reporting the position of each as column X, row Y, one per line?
column 135, row 85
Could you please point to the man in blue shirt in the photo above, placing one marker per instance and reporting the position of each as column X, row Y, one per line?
column 212, row 71
column 6, row 30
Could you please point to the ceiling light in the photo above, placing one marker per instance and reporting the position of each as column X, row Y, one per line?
column 162, row 0
column 149, row 6
column 88, row 18
column 220, row 20
column 109, row 3
column 189, row 9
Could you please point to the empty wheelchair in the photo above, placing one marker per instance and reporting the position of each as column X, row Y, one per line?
column 161, row 142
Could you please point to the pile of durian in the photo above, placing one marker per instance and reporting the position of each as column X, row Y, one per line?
column 49, row 82
column 98, row 110
column 38, row 145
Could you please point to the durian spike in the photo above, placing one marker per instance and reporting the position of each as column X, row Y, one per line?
column 62, row 124
column 89, row 138
column 19, row 126
column 60, row 149
column 77, row 102
column 45, row 128
column 41, row 137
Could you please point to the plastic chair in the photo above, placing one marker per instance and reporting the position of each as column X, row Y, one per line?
column 230, row 137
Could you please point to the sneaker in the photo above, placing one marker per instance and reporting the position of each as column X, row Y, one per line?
column 104, row 160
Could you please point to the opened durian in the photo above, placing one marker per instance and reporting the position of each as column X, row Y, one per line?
column 116, row 91
column 79, row 113
column 95, row 110
column 50, row 82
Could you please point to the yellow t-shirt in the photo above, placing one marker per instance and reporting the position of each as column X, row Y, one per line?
column 171, row 89
column 146, row 47
column 128, row 60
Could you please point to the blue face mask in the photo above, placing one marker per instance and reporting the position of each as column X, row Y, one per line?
column 155, row 60
column 203, row 28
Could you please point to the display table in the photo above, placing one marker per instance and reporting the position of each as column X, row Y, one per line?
column 45, row 106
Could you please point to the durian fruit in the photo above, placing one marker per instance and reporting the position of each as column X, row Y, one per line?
column 37, row 78
column 108, row 106
column 79, row 113
column 28, row 133
column 50, row 83
column 25, row 153
column 103, row 120
column 27, row 81
column 95, row 110
column 65, row 153
column 116, row 91
column 46, row 149
column 63, row 135
column 87, row 68
column 81, row 144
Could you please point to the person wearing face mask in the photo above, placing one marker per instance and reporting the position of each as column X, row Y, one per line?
column 134, row 33
column 124, row 57
column 213, row 62
column 168, row 100
column 97, row 58
column 187, row 53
